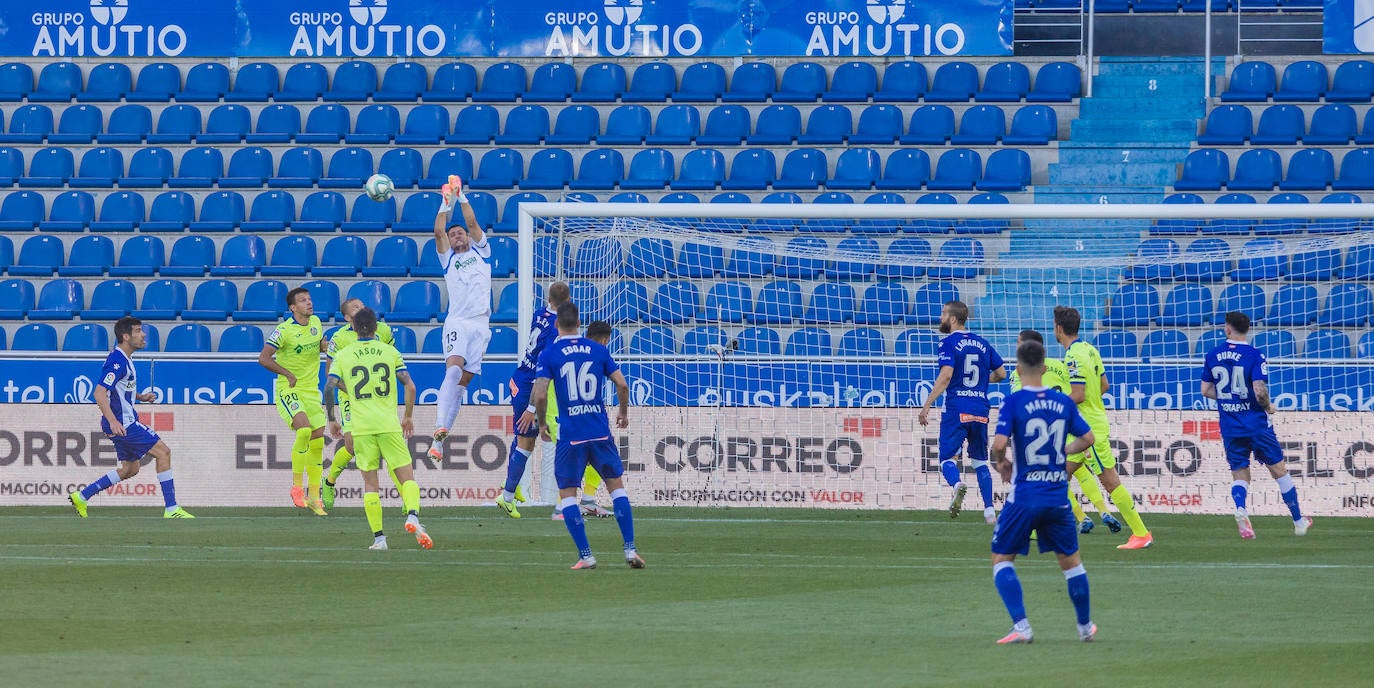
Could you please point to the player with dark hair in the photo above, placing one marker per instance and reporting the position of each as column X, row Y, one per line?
column 968, row 364
column 1036, row 420
column 1088, row 382
column 371, row 371
column 1236, row 374
column 542, row 331
column 579, row 369
column 293, row 352
column 115, row 395
column 343, row 338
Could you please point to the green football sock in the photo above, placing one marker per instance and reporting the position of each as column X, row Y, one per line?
column 339, row 463
column 1121, row 497
column 372, row 506
column 410, row 496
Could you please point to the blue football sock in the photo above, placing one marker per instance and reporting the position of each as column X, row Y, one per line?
column 950, row 469
column 515, row 469
column 620, row 503
column 1289, row 492
column 1077, row 578
column 984, row 475
column 1240, row 493
column 577, row 528
column 169, row 493
column 1009, row 587
column 101, row 484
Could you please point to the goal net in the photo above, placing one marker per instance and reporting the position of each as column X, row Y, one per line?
column 777, row 354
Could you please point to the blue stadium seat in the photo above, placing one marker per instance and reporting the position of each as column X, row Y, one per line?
column 417, row 302
column 11, row 166
column 139, row 256
column 1116, row 344
column 111, row 300
column 189, row 338
column 405, row 81
column 376, row 124
column 35, row 337
column 442, row 164
column 753, row 257
column 959, row 169
column 1346, row 305
column 58, row 82
column 953, row 82
column 59, row 299
column 702, row 169
column 930, row 124
column 1294, row 305
column 1033, row 125
column 129, row 124
column 905, row 169
column 675, row 303
column 654, row 340
column 200, row 168
column 49, row 167
column 827, row 124
column 282, row 123
column 648, row 257
column 1056, row 82
column 862, row 341
column 758, row 341
column 1332, row 124
column 16, row 298
column 265, row 300
column 504, row 340
column 856, row 169
column 325, row 124
column 404, row 166
column 625, row 301
column 191, row 256
column 1326, row 344
column 1004, row 82
column 434, row 344
column 1257, row 169
column 1355, row 170
column 29, row 124
column 852, row 82
column 374, row 294
column 501, row 168
column 1310, row 169
column 965, row 256
column 157, row 82
column 453, row 82
column 600, row 170
column 729, row 302
column 426, row 124
column 930, row 301
column 585, row 295
column 291, row 257
column 38, row 257
column 802, row 82
column 1279, row 125
column 884, row 303
column 241, row 339
column 91, row 256
column 776, row 125
column 502, row 82
column 72, row 211
column 808, row 342
column 701, row 82
column 802, row 169
column 601, row 83
column 1250, row 82
column 355, row 80
column 906, row 251
column 1319, row 264
column 831, row 302
column 1227, row 125
column 752, row 82
column 214, row 300
column 525, row 124
column 78, row 124
column 550, row 168
column 1303, row 81
column 1164, row 344
column 778, row 303
column 1366, row 345
column 575, row 125
column 1149, row 254
column 1276, row 343
column 348, row 169
column 206, row 82
column 229, row 123
column 793, row 265
column 596, row 257
column 16, row 81
column 878, row 124
column 107, row 83
column 343, row 256
column 916, row 342
column 395, row 257
column 726, row 125
column 172, row 211
column 241, row 256
column 627, row 125
column 258, row 81
column 903, row 82
column 651, row 168
column 6, row 252
column 1359, row 263
column 552, row 82
column 1232, row 226
column 270, row 212
column 176, row 124
column 322, row 211
column 248, row 168
column 1008, row 169
column 1133, row 305
column 1353, row 82
column 1206, row 169
column 162, row 300
column 1260, row 259
column 418, row 213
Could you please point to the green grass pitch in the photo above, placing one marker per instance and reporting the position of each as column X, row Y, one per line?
column 268, row 597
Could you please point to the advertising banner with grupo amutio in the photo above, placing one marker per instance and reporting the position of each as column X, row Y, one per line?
column 1172, row 461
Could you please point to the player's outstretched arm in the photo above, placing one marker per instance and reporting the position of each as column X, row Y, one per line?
column 1209, row 390
column 941, row 382
column 407, row 421
column 1080, row 444
column 999, row 457
column 622, row 394
column 1262, row 396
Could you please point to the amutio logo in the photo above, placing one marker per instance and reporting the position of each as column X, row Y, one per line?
column 574, row 34
column 320, row 34
column 103, row 33
column 844, row 32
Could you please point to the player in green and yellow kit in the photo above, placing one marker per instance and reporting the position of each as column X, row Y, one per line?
column 371, row 370
column 1056, row 376
column 343, row 338
column 1088, row 380
column 292, row 352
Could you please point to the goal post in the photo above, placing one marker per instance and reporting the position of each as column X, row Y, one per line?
column 778, row 350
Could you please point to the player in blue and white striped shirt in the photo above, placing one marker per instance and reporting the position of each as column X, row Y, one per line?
column 116, row 394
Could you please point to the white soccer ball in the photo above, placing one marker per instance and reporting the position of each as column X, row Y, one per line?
column 379, row 187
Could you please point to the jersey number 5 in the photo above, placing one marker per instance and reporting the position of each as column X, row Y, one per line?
column 971, row 370
column 381, row 389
